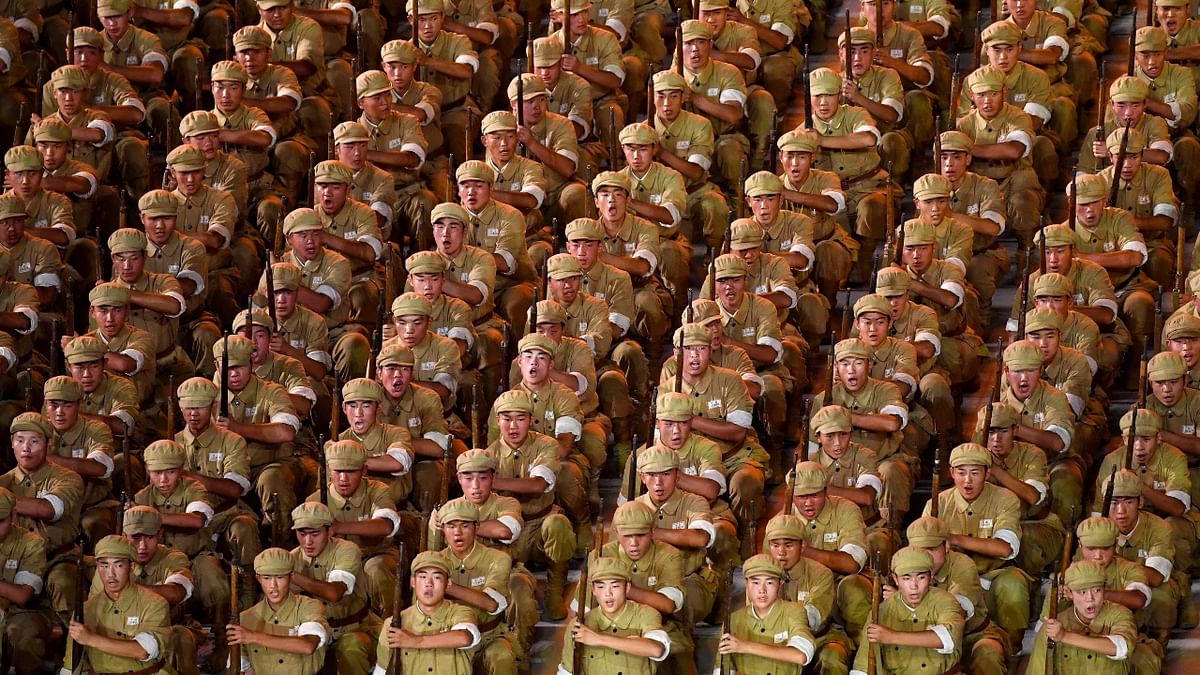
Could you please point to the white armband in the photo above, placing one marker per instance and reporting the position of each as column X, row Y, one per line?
column 149, row 643
column 313, row 629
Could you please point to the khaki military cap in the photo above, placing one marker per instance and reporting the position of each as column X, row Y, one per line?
column 873, row 302
column 1149, row 423
column 86, row 36
column 799, row 140
column 563, row 266
column 638, row 134
column 268, row 4
column 333, row 171
column 704, row 312
column 435, row 560
column 62, row 388
column 729, row 266
column 1042, row 319
column 287, row 276
column 761, row 565
column 928, row 532
column 115, row 547
column 197, row 392
column 372, row 83
column 1004, row 416
column 588, row 229
column 345, row 456
column 605, row 568
column 1089, row 188
column 985, row 79
column 1172, row 3
column 449, row 211
column 500, row 120
column 1128, row 88
column 696, row 30
column 691, row 335
column 633, row 517
column 362, row 389
column 1002, row 33
column 69, row 77
column 534, row 87
column 31, row 421
column 1182, row 325
column 1125, row 484
column 127, row 240
column 657, row 459
column 1096, row 532
column 917, row 233
column 163, row 455
column 398, row 51
column 956, row 141
column 273, row 562
column 160, row 203
column 476, row 459
column 301, row 220
column 108, row 295
column 910, row 560
column 199, row 122
column 311, row 516
column 84, row 349
column 673, row 407
column 824, row 81
column 23, row 158
column 240, row 350
column 549, row 311
column 713, row 5
column 513, row 401
column 763, row 183
column 784, row 526
column 669, row 80
column 458, row 510
column 851, row 348
column 51, row 130
column 1053, row 285
column 932, row 186
column 112, row 7
column 396, row 354
column 8, row 501
column 351, row 132
column 251, row 37
column 229, row 71
column 12, row 206
column 475, row 170
column 891, row 281
column 1166, row 366
column 1135, row 144
column 577, row 6
column 411, row 304
column 970, row 454
column 546, row 52
column 1058, row 234
column 186, row 158
column 1022, row 355
column 808, row 478
column 1084, row 574
column 141, row 519
column 426, row 262
column 859, row 35
column 536, row 342
column 831, row 419
column 611, row 179
column 744, row 234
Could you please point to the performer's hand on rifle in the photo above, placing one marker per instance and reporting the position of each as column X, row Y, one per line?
column 570, row 62
column 583, row 635
column 886, row 591
column 80, row 633
column 236, row 634
column 398, row 638
column 1054, row 629
column 729, row 645
column 525, row 135
column 277, row 343
column 877, row 633
column 850, row 90
column 1099, row 149
column 227, row 424
column 389, row 331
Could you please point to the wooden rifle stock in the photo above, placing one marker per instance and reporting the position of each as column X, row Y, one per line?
column 634, row 482
column 1108, row 491
column 583, row 598
column 322, row 471
column 876, row 594
column 1180, row 272
column 394, row 667
column 235, row 651
column 171, row 402
column 1118, row 166
column 447, row 471
column 935, row 480
column 679, row 365
column 830, row 364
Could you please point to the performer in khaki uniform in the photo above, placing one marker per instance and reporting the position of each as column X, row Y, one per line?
column 129, row 349
column 549, row 139
column 24, row 576
column 810, row 584
column 418, row 98
column 436, row 634
column 126, row 628
column 109, row 398
column 984, row 520
column 388, row 446
column 880, row 91
column 619, row 634
column 769, row 632
column 852, row 467
column 328, row 568
column 1178, row 405
column 413, row 406
column 448, row 63
column 84, row 446
column 371, row 185
column 931, row 618
column 1088, row 627
column 283, row 626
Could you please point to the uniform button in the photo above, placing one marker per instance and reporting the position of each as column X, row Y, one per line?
column 281, row 660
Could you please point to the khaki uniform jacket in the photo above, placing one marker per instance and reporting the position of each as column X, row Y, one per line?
column 596, row 48
column 1010, row 125
column 370, row 501
column 24, row 560
column 376, row 188
column 633, row 237
column 838, row 527
column 979, row 196
column 1045, row 409
column 1174, row 87
column 115, row 396
column 1166, row 472
column 823, row 224
column 615, row 287
column 557, row 133
column 754, row 321
column 520, row 174
column 959, row 577
column 355, row 221
column 689, row 137
column 163, row 327
column 341, row 560
column 1026, row 87
column 306, row 330
column 398, row 132
column 88, row 439
column 21, row 299
column 62, row 489
column 1113, row 621
column 499, row 229
column 50, row 209
column 261, row 402
column 327, row 274
column 298, row 616
column 811, row 584
column 589, row 319
column 428, row 98
column 848, row 164
column 883, row 86
column 392, row 440
column 994, row 514
column 902, row 41
column 536, row 458
column 633, row 619
column 475, row 267
column 785, row 624
column 660, row 186
column 419, row 410
column 684, row 511
column 721, row 83
column 139, row 345
column 953, row 241
column 35, row 262
column 498, row 507
column 138, row 614
column 457, row 49
column 278, row 81
column 1149, row 543
column 188, row 497
column 1093, row 287
column 1027, row 463
column 485, row 570
column 1069, row 372
column 1181, row 418
column 216, row 453
column 437, row 360
column 1045, row 31
column 209, row 210
column 300, row 40
column 938, row 611
column 167, row 566
column 246, row 118
column 1150, row 193
column 721, row 395
column 876, row 397
column 1083, row 335
column 225, row 171
column 660, row 569
column 1116, row 231
column 185, row 258
column 571, row 97
column 447, row 616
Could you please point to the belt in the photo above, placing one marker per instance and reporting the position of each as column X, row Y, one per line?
column 152, row 668
column 485, row 628
column 455, row 103
column 855, row 180
column 165, row 353
column 351, row 619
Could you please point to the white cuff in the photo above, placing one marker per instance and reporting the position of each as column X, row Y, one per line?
column 542, row 471
column 31, row 580
column 139, row 361
column 1012, row 539
column 943, row 634
column 403, row 456
column 471, row 628
column 568, row 425
column 857, row 552
column 968, row 607
column 313, row 629
column 501, row 601
column 239, row 479
column 514, row 527
column 1122, row 647
column 660, row 636
column 150, row 644
column 1161, row 565
column 100, row 457
column 1058, row 41
column 182, row 582
column 390, row 515
column 203, row 509
column 742, row 418
column 55, row 503
column 1183, row 497
column 286, row 418
column 347, row 579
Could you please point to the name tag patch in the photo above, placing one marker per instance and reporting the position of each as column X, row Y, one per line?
column 714, row 404
column 829, row 537
column 781, row 637
column 215, row 456
column 478, row 581
column 10, row 564
column 986, row 524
